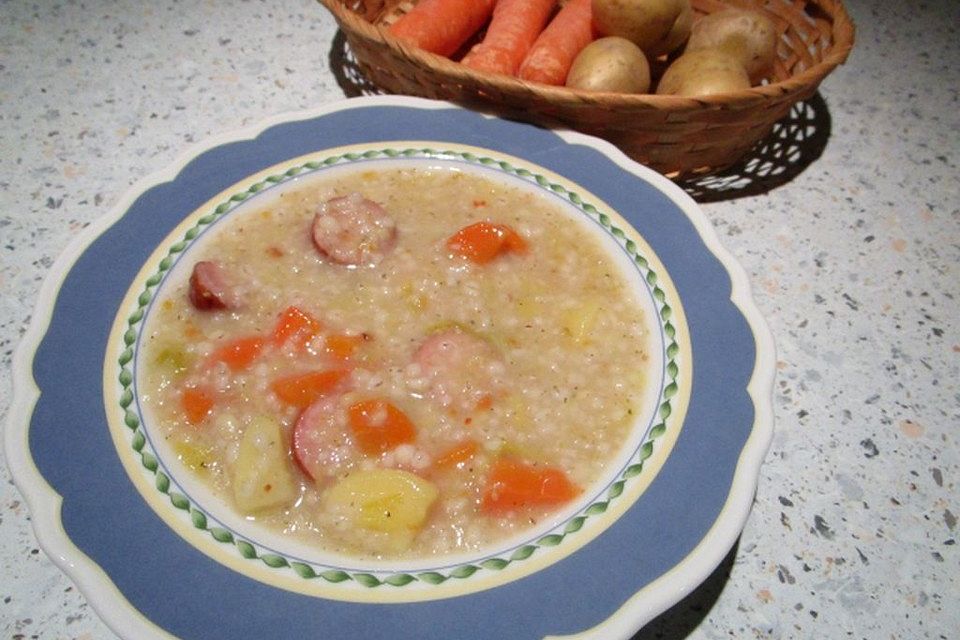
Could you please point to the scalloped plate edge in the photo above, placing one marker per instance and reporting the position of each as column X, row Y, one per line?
column 45, row 504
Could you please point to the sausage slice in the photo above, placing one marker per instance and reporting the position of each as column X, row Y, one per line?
column 210, row 288
column 322, row 445
column 461, row 369
column 353, row 230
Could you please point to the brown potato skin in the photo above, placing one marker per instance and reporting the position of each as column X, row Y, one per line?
column 610, row 64
column 750, row 35
column 644, row 22
column 704, row 72
column 678, row 34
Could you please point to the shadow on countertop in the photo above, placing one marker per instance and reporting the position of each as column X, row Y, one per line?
column 681, row 619
column 347, row 72
column 794, row 143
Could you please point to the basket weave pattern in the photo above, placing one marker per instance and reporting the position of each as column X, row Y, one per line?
column 674, row 135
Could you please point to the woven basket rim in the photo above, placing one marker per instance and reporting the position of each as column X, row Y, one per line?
column 841, row 32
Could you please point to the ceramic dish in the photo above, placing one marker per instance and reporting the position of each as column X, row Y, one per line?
column 158, row 557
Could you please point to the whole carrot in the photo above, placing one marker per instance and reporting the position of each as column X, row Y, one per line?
column 550, row 57
column 513, row 29
column 442, row 26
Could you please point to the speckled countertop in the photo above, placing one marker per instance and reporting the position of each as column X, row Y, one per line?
column 853, row 260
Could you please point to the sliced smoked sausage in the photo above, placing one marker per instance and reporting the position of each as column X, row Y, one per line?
column 210, row 289
column 353, row 230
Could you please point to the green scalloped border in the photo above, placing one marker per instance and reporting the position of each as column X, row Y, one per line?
column 248, row 550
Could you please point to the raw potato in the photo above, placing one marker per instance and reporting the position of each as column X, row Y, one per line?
column 646, row 23
column 702, row 73
column 677, row 35
column 610, row 64
column 750, row 35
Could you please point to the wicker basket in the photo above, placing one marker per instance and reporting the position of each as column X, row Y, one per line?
column 674, row 135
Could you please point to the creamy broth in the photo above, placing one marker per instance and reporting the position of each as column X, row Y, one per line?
column 379, row 399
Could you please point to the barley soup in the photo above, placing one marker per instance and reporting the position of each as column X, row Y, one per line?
column 398, row 363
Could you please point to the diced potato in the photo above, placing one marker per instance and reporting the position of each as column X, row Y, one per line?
column 516, row 449
column 195, row 456
column 390, row 501
column 530, row 301
column 414, row 299
column 529, row 307
column 173, row 360
column 580, row 321
column 518, row 413
column 261, row 473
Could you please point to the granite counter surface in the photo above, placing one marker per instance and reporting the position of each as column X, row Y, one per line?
column 853, row 261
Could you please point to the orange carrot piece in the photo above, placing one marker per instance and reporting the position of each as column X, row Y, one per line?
column 302, row 389
column 197, row 403
column 240, row 353
column 295, row 324
column 379, row 426
column 513, row 485
column 481, row 242
column 512, row 241
column 458, row 453
column 513, row 30
column 190, row 330
column 342, row 346
column 550, row 57
column 485, row 402
column 442, row 26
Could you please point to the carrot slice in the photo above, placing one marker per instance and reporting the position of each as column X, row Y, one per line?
column 238, row 354
column 485, row 402
column 379, row 426
column 513, row 29
column 342, row 346
column 458, row 453
column 442, row 26
column 295, row 324
column 513, row 484
column 302, row 389
column 481, row 242
column 197, row 403
column 552, row 54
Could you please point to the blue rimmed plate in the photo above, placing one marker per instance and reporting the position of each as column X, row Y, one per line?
column 156, row 562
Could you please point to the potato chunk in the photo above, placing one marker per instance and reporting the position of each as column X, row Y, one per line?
column 261, row 474
column 580, row 321
column 388, row 501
